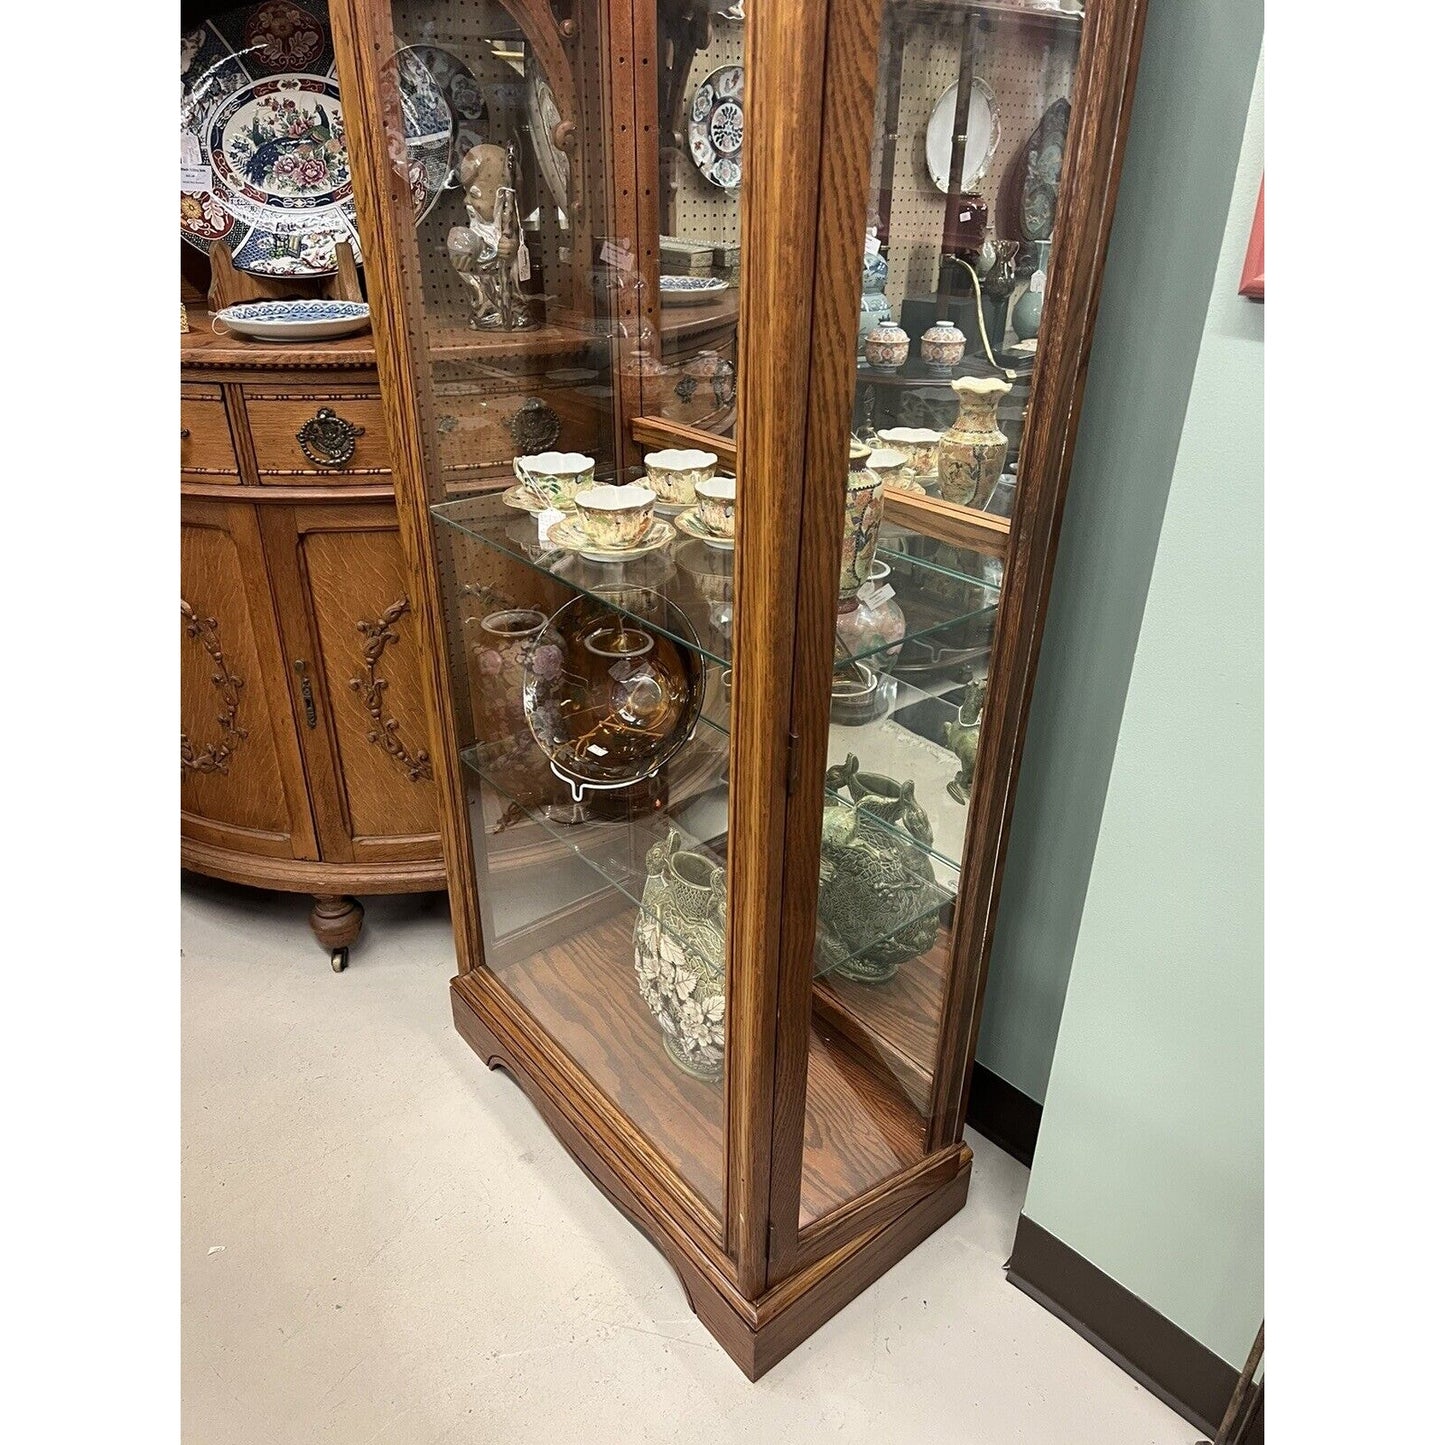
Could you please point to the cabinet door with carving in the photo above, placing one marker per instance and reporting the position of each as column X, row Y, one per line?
column 242, row 784
column 355, row 668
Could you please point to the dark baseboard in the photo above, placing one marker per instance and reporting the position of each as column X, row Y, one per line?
column 1004, row 1115
column 1184, row 1374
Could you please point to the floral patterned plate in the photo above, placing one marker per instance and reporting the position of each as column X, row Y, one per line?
column 715, row 127
column 263, row 148
column 296, row 320
column 691, row 524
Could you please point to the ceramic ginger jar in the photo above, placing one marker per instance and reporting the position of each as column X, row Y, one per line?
column 941, row 348
column 871, row 623
column 679, row 950
column 863, row 515
column 972, row 451
column 886, row 347
column 875, row 887
column 498, row 645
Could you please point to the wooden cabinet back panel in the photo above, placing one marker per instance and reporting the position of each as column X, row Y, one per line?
column 480, row 429
column 276, row 421
column 370, row 664
column 232, row 790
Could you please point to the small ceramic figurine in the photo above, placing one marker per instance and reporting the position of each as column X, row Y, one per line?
column 961, row 738
column 490, row 252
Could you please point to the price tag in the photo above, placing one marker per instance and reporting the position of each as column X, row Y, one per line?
column 617, row 254
column 871, row 245
column 195, row 178
column 865, row 593
column 546, row 521
column 880, row 595
column 524, row 263
column 190, row 149
column 622, row 671
column 1036, row 283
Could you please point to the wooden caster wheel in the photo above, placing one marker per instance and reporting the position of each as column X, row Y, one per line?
column 339, row 957
column 336, row 922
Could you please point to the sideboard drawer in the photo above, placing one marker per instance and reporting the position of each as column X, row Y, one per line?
column 338, row 434
column 206, row 437
column 481, row 427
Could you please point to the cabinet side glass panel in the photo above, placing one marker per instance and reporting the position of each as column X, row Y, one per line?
column 951, row 296
column 590, row 696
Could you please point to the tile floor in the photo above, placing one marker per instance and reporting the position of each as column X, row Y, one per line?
column 384, row 1245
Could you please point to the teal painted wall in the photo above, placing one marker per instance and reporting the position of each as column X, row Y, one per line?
column 1192, row 95
column 1150, row 1161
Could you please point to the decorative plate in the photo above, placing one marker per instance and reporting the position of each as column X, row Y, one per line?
column 690, row 290
column 263, row 150
column 296, row 320
column 543, row 118
column 522, row 500
column 691, row 524
column 715, row 127
column 571, row 536
column 983, row 135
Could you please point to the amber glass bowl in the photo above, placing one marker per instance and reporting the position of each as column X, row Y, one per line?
column 608, row 697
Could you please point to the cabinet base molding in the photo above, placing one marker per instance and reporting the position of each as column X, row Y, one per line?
column 755, row 1333
column 309, row 875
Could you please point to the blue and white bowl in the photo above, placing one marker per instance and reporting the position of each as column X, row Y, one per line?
column 296, row 320
column 690, row 290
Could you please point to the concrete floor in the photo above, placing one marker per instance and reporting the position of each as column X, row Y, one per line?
column 383, row 1243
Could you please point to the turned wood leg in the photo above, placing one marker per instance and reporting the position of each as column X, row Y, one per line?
column 336, row 922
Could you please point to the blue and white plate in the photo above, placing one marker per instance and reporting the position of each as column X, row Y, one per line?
column 690, row 290
column 715, row 127
column 296, row 320
column 263, row 150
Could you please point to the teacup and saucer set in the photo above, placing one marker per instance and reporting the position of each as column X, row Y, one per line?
column 612, row 524
column 549, row 480
column 712, row 520
column 674, row 475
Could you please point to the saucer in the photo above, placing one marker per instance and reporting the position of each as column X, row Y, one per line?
column 670, row 509
column 570, row 535
column 525, row 500
column 690, row 524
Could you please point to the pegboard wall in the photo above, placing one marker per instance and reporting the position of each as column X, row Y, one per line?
column 705, row 212
column 1026, row 62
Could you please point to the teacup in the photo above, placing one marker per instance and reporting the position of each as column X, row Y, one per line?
column 554, row 478
column 716, row 504
column 889, row 466
column 918, row 443
column 674, row 474
column 615, row 517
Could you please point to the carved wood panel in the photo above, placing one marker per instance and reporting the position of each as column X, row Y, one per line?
column 233, row 752
column 367, row 668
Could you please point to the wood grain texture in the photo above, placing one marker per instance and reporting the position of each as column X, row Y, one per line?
column 361, row 32
column 653, row 432
column 275, row 421
column 839, row 203
column 958, row 526
column 206, row 447
column 784, row 52
column 1089, row 185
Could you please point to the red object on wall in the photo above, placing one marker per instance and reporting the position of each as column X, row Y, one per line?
column 1251, row 279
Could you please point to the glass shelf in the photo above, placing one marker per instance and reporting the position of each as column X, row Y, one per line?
column 940, row 590
column 612, row 834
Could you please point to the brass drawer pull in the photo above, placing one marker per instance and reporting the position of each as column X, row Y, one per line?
column 329, row 440
column 185, row 433
column 534, row 426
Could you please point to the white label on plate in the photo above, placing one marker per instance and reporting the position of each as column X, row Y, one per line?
column 190, row 149
column 1036, row 282
column 524, row 263
column 871, row 245
column 195, row 178
column 546, row 521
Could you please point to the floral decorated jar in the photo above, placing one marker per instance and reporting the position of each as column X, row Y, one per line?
column 863, row 515
column 871, row 623
column 942, row 348
column 886, row 347
column 679, row 951
column 971, row 454
column 497, row 650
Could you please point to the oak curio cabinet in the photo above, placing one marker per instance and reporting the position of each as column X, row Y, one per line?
column 725, row 766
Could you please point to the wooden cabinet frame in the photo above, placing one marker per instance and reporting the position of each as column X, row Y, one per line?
column 759, row 1282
